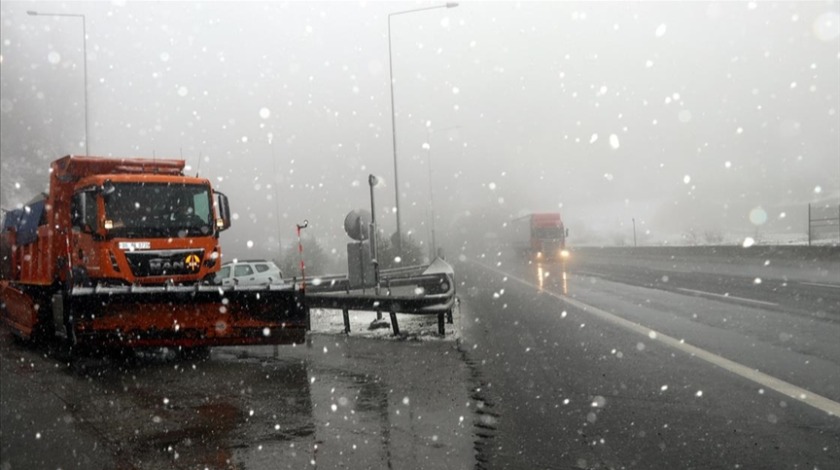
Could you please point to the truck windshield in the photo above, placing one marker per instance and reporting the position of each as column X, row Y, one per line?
column 158, row 210
column 548, row 233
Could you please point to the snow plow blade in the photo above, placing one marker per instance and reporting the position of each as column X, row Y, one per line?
column 181, row 316
column 19, row 310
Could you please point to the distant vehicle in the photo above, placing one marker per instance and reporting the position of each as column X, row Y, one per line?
column 538, row 236
column 249, row 273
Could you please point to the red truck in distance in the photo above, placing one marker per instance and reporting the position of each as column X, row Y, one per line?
column 539, row 236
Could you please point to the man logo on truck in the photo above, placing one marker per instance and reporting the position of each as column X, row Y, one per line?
column 193, row 262
column 164, row 266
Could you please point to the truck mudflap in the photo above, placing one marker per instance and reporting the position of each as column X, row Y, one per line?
column 185, row 316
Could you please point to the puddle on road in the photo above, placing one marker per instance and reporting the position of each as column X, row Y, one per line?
column 196, row 414
column 377, row 404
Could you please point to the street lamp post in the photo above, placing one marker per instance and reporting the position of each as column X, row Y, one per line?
column 373, row 181
column 84, row 62
column 431, row 195
column 300, row 227
column 393, row 115
column 634, row 232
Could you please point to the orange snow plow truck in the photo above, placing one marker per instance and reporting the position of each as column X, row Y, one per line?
column 123, row 253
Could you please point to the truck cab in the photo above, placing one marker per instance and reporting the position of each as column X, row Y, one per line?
column 145, row 229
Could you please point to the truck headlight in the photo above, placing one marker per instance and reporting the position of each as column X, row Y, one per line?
column 564, row 253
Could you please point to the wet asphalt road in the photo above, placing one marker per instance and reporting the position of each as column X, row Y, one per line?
column 528, row 377
column 572, row 390
column 337, row 402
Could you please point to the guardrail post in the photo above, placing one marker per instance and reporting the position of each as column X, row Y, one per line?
column 346, row 314
column 441, row 327
column 394, row 324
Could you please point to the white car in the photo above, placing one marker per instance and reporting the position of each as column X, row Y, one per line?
column 249, row 273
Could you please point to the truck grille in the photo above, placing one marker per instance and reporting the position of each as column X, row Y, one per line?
column 164, row 262
column 550, row 246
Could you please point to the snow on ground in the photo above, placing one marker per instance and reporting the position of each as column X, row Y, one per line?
column 365, row 324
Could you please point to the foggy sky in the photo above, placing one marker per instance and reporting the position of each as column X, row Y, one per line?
column 680, row 115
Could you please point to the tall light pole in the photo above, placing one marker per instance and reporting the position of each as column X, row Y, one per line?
column 84, row 61
column 634, row 232
column 393, row 116
column 373, row 181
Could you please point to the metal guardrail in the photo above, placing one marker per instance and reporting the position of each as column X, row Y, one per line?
column 414, row 290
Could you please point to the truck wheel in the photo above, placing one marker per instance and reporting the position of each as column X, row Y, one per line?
column 42, row 332
column 64, row 339
column 62, row 326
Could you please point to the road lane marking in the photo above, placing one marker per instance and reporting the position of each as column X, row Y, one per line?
column 833, row 286
column 785, row 388
column 726, row 296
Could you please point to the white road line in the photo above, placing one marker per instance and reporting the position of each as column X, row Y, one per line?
column 817, row 401
column 725, row 296
column 833, row 286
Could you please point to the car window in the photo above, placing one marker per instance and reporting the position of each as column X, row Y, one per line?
column 224, row 272
column 261, row 268
column 242, row 270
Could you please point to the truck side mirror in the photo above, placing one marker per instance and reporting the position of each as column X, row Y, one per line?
column 223, row 211
column 79, row 213
column 76, row 217
column 108, row 188
column 567, row 232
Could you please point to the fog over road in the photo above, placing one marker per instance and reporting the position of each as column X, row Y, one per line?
column 653, row 371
